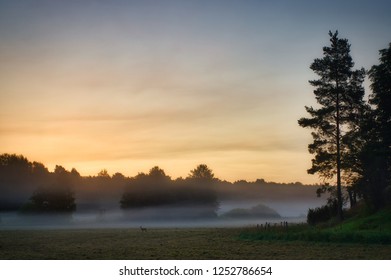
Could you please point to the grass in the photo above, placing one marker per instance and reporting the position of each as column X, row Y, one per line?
column 200, row 243
column 360, row 236
column 360, row 228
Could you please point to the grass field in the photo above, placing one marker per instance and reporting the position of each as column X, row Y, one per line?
column 184, row 243
column 360, row 236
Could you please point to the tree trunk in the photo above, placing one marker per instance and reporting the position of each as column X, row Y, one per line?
column 352, row 197
column 339, row 190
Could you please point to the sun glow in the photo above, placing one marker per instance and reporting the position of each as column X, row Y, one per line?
column 128, row 86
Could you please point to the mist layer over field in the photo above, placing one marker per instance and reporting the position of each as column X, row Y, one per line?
column 32, row 196
column 157, row 217
column 14, row 221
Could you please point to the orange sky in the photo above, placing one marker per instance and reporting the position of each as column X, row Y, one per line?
column 128, row 85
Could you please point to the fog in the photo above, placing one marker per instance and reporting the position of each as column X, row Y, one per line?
column 33, row 197
column 156, row 217
column 12, row 220
column 287, row 209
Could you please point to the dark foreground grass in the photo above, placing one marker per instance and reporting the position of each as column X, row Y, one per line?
column 202, row 243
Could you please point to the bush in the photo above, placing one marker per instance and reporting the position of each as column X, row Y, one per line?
column 322, row 214
column 51, row 200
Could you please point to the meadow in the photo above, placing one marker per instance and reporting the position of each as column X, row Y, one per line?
column 173, row 243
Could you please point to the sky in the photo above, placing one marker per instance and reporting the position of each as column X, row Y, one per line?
column 128, row 85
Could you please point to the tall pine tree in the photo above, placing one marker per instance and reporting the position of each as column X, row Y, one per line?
column 380, row 76
column 339, row 92
column 376, row 154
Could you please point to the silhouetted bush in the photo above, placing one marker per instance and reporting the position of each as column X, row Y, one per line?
column 322, row 214
column 51, row 200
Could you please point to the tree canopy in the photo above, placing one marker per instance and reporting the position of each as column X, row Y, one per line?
column 339, row 92
column 202, row 172
column 375, row 155
column 351, row 137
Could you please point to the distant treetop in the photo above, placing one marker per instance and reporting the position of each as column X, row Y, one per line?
column 202, row 172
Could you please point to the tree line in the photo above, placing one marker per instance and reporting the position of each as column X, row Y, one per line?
column 351, row 136
column 30, row 188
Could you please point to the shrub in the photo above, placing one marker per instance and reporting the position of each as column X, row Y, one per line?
column 322, row 214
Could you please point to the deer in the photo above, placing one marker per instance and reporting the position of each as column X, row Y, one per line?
column 143, row 228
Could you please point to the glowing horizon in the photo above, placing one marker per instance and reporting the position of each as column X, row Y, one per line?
column 128, row 85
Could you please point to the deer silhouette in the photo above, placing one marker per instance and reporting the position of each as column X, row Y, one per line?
column 143, row 228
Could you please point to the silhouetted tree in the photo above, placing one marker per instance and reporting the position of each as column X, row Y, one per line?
column 104, row 173
column 118, row 177
column 146, row 190
column 339, row 92
column 55, row 196
column 157, row 189
column 39, row 170
column 158, row 174
column 16, row 181
column 380, row 76
column 53, row 199
column 201, row 172
column 376, row 154
column 201, row 184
